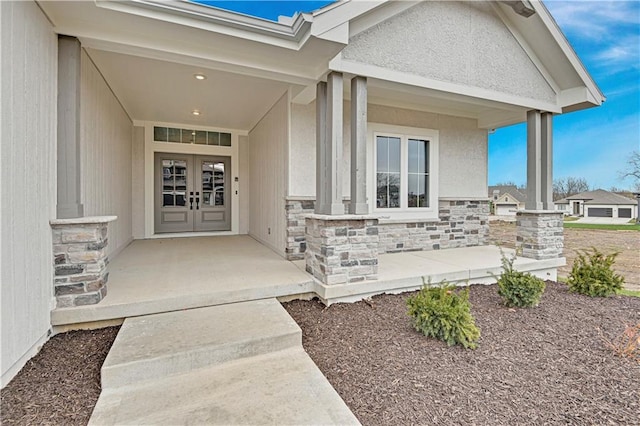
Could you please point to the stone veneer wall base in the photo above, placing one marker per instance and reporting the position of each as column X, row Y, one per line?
column 342, row 249
column 460, row 223
column 80, row 260
column 540, row 234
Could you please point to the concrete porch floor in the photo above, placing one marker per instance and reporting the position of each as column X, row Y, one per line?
column 164, row 275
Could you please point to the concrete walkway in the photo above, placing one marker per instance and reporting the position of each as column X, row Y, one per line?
column 231, row 364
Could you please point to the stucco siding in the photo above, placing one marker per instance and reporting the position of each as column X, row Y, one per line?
column 106, row 134
column 454, row 42
column 268, row 147
column 463, row 149
column 28, row 78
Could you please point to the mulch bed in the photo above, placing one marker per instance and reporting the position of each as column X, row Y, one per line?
column 60, row 385
column 532, row 366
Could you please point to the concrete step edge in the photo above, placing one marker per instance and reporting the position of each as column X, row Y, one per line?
column 183, row 362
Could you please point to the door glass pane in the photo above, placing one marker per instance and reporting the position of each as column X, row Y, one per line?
column 213, row 183
column 174, row 182
column 388, row 172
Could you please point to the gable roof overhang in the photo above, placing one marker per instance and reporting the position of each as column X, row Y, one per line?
column 295, row 53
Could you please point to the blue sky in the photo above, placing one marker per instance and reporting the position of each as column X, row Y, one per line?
column 592, row 144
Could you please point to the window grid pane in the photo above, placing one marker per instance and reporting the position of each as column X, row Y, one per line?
column 388, row 172
column 418, row 173
column 190, row 136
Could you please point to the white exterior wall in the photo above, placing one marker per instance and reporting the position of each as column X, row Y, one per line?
column 455, row 42
column 28, row 78
column 243, row 187
column 268, row 148
column 137, row 182
column 463, row 149
column 106, row 134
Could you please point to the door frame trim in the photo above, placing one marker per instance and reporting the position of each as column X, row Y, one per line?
column 150, row 149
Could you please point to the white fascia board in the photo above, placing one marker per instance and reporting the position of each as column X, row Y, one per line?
column 160, row 52
column 219, row 21
column 339, row 13
column 566, row 48
column 474, row 95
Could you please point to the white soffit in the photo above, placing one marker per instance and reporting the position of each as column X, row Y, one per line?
column 153, row 90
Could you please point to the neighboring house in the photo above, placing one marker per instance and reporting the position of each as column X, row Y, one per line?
column 507, row 200
column 376, row 109
column 598, row 203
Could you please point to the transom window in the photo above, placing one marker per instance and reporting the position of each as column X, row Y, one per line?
column 198, row 137
column 404, row 170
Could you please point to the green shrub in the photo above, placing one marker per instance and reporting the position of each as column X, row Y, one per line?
column 444, row 313
column 592, row 275
column 518, row 289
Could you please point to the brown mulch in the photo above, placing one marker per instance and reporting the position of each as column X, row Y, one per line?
column 544, row 365
column 61, row 384
column 532, row 366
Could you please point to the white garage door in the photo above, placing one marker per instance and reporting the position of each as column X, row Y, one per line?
column 506, row 210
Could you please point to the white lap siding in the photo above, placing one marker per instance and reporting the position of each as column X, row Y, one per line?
column 28, row 77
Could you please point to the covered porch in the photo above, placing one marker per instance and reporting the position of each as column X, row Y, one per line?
column 164, row 275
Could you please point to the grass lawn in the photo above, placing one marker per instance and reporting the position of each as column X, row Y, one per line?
column 605, row 227
column 632, row 293
column 570, row 218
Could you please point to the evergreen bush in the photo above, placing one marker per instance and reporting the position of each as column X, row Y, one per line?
column 444, row 313
column 518, row 289
column 592, row 274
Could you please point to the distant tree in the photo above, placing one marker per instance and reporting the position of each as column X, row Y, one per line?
column 567, row 187
column 510, row 183
column 632, row 169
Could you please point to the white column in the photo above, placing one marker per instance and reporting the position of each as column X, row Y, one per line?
column 69, row 204
column 359, row 146
column 334, row 144
column 321, row 146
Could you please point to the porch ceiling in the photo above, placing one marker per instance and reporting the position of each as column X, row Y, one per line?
column 156, row 90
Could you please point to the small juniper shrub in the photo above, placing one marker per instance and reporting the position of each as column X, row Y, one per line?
column 444, row 313
column 592, row 274
column 518, row 289
column 627, row 344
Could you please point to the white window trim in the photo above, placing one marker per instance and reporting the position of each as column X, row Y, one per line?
column 404, row 133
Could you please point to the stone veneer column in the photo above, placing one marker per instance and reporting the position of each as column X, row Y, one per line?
column 80, row 259
column 539, row 234
column 341, row 248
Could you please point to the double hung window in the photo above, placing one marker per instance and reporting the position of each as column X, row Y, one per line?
column 405, row 171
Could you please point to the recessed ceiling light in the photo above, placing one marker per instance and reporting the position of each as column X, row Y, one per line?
column 200, row 76
column 195, row 112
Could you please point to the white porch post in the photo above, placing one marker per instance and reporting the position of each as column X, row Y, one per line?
column 358, row 203
column 329, row 179
column 539, row 229
column 69, row 204
column 539, row 161
column 547, row 161
column 321, row 147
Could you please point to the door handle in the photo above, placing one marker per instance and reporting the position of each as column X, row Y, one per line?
column 197, row 201
column 191, row 200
